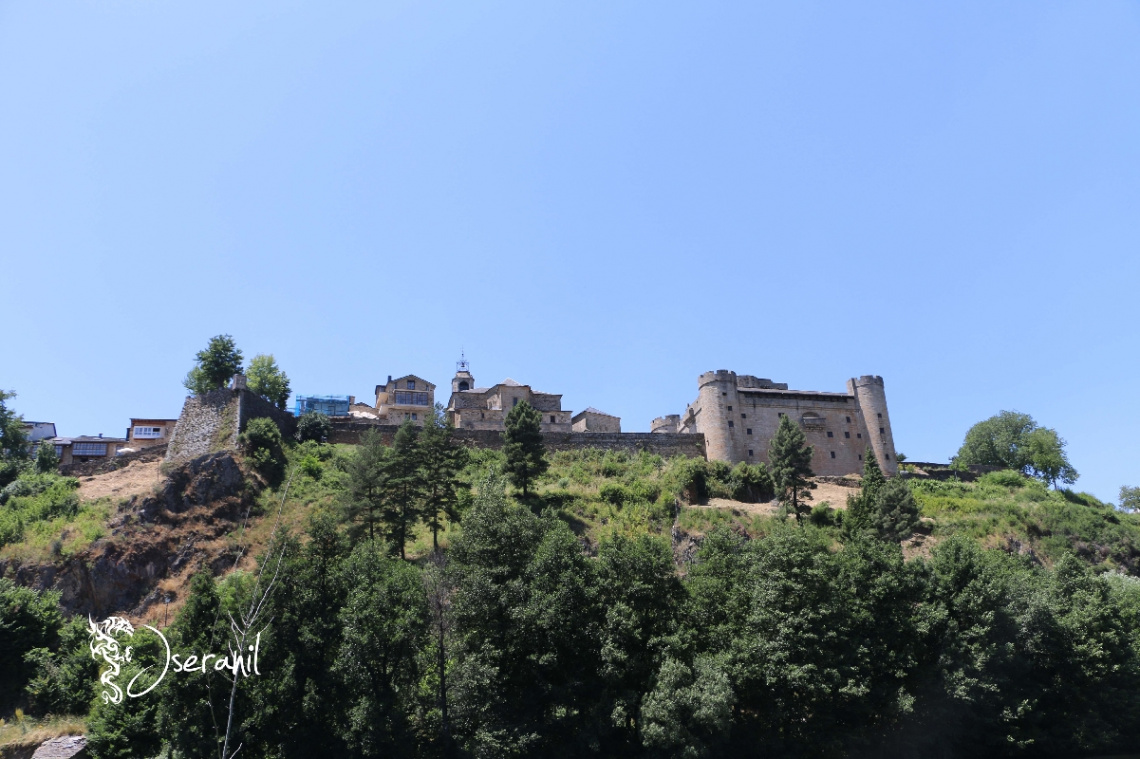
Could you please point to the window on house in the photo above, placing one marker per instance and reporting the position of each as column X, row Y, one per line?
column 89, row 449
column 411, row 384
column 846, row 434
column 414, row 418
column 749, row 430
column 829, row 434
column 409, row 398
column 148, row 432
column 59, row 451
column 833, row 454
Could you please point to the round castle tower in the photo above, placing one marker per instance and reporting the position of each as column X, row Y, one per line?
column 872, row 400
column 717, row 391
column 667, row 423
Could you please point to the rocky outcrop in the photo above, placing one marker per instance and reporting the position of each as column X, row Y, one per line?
column 151, row 538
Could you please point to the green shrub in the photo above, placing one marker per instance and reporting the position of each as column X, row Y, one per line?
column 1006, row 478
column 612, row 492
column 823, row 515
column 313, row 426
column 311, row 466
column 263, row 446
column 751, row 483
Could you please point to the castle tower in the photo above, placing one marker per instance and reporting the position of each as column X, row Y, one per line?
column 462, row 379
column 872, row 399
column 716, row 395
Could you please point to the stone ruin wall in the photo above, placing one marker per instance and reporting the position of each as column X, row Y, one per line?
column 212, row 422
column 666, row 445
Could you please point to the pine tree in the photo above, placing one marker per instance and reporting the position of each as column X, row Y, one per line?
column 367, row 482
column 861, row 508
column 789, row 458
column 523, row 446
column 883, row 509
column 441, row 459
column 402, row 487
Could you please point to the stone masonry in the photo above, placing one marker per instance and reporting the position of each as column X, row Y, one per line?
column 738, row 415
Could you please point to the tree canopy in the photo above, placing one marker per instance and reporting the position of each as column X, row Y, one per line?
column 265, row 378
column 1012, row 440
column 215, row 365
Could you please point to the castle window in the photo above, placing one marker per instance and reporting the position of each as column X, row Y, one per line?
column 482, row 415
column 781, row 413
column 552, row 418
column 411, row 384
column 463, row 386
column 848, row 419
column 833, row 454
column 846, row 434
column 882, row 431
column 829, row 434
column 887, row 456
column 749, row 430
column 749, row 451
column 859, row 435
column 744, row 416
column 860, row 457
column 880, row 416
column 516, row 402
column 730, row 424
column 730, row 408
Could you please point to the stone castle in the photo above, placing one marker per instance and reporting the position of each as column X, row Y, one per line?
column 738, row 415
column 733, row 419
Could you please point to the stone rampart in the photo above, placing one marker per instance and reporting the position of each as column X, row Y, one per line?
column 663, row 444
column 212, row 422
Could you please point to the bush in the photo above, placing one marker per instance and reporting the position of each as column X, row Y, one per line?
column 314, row 426
column 751, row 483
column 612, row 492
column 263, row 446
column 823, row 515
column 1007, row 478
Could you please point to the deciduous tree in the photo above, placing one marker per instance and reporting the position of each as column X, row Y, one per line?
column 267, row 379
column 216, row 364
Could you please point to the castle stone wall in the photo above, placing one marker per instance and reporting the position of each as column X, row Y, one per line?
column 667, row 445
column 212, row 422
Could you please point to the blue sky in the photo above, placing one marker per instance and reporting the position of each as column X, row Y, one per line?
column 599, row 199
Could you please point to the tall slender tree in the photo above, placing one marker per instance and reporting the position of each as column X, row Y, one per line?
column 402, row 488
column 441, row 460
column 365, row 495
column 789, row 457
column 522, row 443
column 220, row 360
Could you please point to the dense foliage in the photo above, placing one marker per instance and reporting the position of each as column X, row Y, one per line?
column 523, row 446
column 13, row 441
column 1012, row 440
column 214, row 365
column 268, row 380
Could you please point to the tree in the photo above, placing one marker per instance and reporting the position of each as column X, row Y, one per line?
column 47, row 460
column 1012, row 440
column 402, row 487
column 266, row 379
column 263, row 444
column 861, row 508
column 367, row 482
column 215, row 365
column 313, row 425
column 1130, row 498
column 523, row 446
column 13, row 441
column 441, row 460
column 1046, row 455
column 896, row 513
column 789, row 458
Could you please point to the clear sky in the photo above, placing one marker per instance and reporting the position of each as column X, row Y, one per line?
column 600, row 199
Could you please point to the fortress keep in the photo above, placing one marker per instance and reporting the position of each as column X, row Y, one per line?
column 738, row 416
